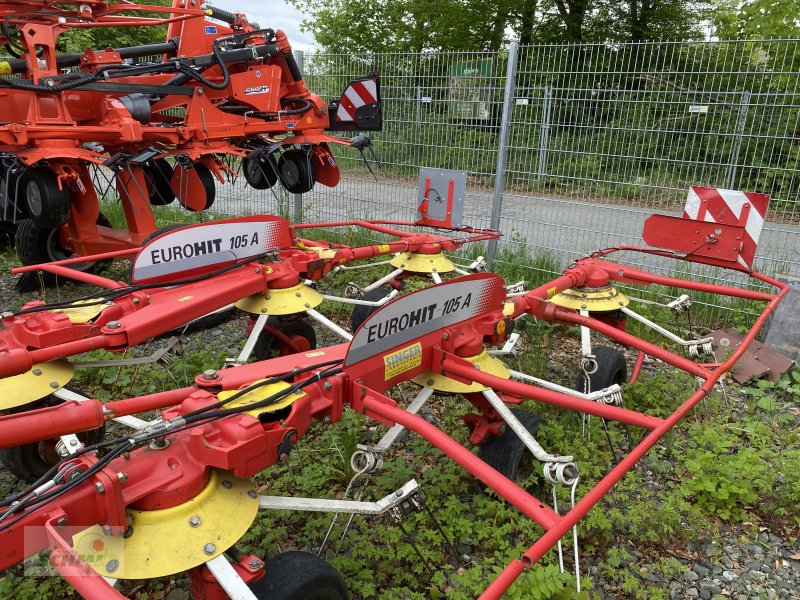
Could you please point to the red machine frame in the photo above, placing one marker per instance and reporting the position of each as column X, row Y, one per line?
column 207, row 70
column 356, row 376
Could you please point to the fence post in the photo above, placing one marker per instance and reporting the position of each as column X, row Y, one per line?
column 741, row 122
column 502, row 150
column 298, row 198
column 545, row 132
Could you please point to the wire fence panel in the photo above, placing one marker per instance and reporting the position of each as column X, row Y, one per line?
column 599, row 137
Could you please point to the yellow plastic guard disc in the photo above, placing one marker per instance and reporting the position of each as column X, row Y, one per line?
column 422, row 263
column 278, row 302
column 604, row 299
column 173, row 540
column 486, row 363
column 41, row 381
column 83, row 314
column 259, row 394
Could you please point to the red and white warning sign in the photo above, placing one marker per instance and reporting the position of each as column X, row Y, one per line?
column 730, row 207
column 355, row 96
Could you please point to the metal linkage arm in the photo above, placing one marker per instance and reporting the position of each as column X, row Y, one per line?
column 378, row 508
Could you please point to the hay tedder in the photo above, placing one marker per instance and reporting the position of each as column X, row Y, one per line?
column 160, row 117
column 175, row 496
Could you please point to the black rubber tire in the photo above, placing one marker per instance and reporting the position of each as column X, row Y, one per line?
column 158, row 174
column 611, row 368
column 297, row 171
column 207, row 179
column 10, row 182
column 42, row 200
column 161, row 230
column 507, row 454
column 30, row 461
column 8, row 234
column 268, row 346
column 261, row 173
column 36, row 245
column 361, row 312
column 299, row 576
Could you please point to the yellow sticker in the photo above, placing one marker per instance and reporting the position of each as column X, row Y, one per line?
column 185, row 298
column 313, row 354
column 552, row 292
column 383, row 247
column 402, row 360
column 500, row 329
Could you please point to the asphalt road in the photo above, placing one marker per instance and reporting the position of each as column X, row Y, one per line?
column 566, row 228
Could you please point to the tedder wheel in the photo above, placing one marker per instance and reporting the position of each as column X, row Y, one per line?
column 299, row 331
column 507, row 454
column 158, row 174
column 361, row 312
column 8, row 234
column 261, row 173
column 36, row 245
column 611, row 369
column 30, row 461
column 44, row 201
column 299, row 576
column 297, row 171
column 207, row 179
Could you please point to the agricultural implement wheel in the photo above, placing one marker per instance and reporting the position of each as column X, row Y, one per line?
column 507, row 453
column 44, row 201
column 8, row 233
column 611, row 369
column 297, row 171
column 158, row 174
column 36, row 245
column 260, row 173
column 362, row 311
column 206, row 178
column 30, row 461
column 294, row 575
column 300, row 337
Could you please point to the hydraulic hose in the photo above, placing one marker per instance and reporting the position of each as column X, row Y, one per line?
column 71, row 60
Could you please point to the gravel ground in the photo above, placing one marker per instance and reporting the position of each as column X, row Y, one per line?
column 743, row 561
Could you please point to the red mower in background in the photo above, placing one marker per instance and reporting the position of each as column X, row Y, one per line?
column 177, row 490
column 160, row 116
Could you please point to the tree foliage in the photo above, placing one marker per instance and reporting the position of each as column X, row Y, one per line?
column 475, row 25
column 78, row 39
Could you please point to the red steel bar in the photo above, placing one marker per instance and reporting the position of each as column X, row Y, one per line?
column 81, row 276
column 529, row 505
column 593, row 496
column 637, row 367
column 516, row 388
column 77, row 259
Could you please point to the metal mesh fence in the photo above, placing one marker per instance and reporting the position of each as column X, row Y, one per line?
column 591, row 140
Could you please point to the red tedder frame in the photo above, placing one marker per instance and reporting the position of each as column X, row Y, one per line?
column 433, row 329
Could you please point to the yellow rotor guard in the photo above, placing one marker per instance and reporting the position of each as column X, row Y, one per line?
column 484, row 361
column 277, row 302
column 604, row 299
column 41, row 381
column 172, row 540
column 259, row 394
column 83, row 314
column 423, row 263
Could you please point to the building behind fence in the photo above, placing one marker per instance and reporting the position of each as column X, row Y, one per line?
column 569, row 147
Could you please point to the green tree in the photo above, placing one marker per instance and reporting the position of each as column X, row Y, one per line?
column 100, row 38
column 473, row 25
column 758, row 19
